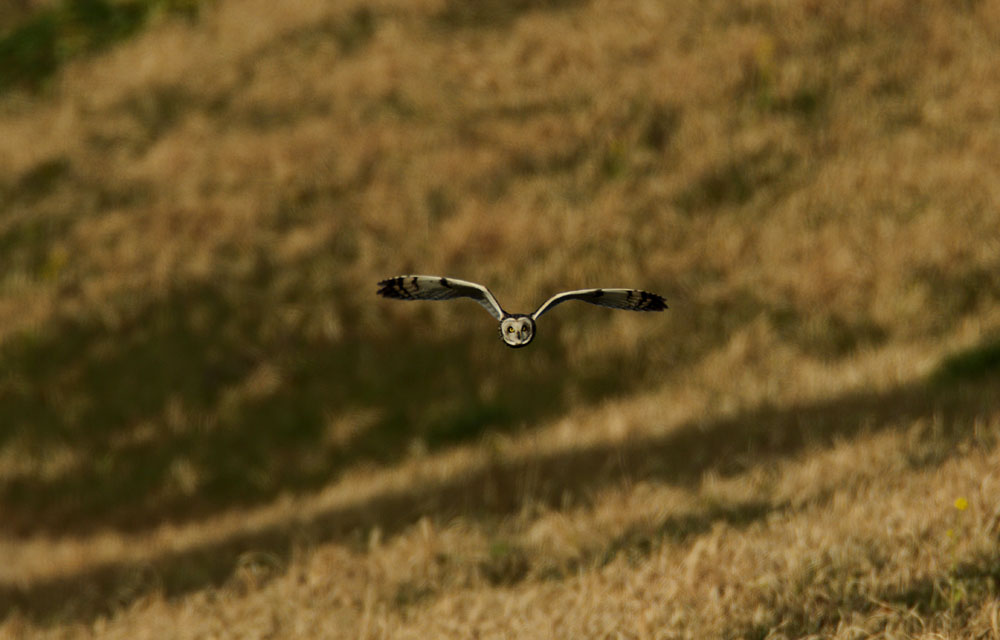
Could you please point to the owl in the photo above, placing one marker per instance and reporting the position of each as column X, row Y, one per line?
column 516, row 329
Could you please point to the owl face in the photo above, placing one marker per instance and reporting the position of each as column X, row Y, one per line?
column 517, row 331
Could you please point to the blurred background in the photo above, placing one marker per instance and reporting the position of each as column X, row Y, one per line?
column 197, row 198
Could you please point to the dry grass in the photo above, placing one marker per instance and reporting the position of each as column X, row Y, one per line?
column 211, row 427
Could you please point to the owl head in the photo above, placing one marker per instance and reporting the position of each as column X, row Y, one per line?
column 517, row 331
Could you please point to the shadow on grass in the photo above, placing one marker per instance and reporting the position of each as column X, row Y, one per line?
column 681, row 457
column 219, row 395
column 509, row 564
column 495, row 13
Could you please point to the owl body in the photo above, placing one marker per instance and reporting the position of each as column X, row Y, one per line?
column 516, row 329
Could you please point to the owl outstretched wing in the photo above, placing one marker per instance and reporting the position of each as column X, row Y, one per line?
column 438, row 288
column 629, row 299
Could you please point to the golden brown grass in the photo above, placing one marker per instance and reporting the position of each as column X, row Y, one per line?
column 212, row 428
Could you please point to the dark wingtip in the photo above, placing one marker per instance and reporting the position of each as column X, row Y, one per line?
column 655, row 302
column 390, row 288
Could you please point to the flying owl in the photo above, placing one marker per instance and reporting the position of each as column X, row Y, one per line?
column 516, row 329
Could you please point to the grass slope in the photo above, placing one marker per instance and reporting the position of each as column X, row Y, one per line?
column 210, row 425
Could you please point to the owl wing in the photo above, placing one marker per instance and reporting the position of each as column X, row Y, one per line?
column 438, row 288
column 629, row 299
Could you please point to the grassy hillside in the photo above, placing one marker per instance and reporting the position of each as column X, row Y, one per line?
column 210, row 424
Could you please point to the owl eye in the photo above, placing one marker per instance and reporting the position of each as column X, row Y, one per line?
column 510, row 329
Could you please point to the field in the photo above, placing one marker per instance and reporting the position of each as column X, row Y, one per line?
column 210, row 426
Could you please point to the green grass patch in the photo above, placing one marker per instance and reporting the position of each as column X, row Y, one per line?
column 36, row 49
column 974, row 363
